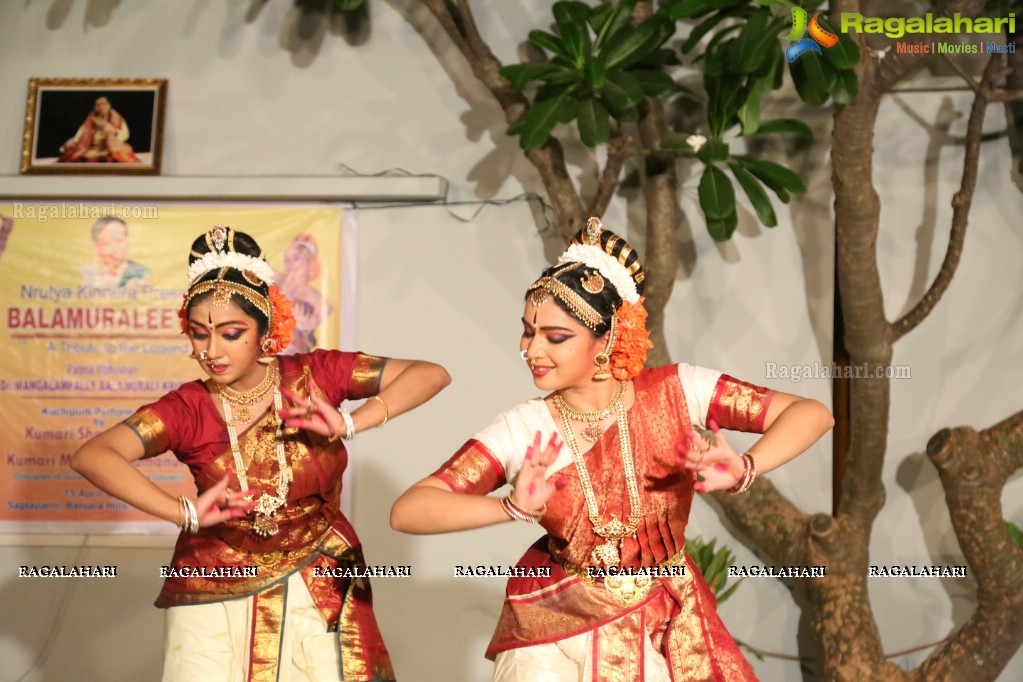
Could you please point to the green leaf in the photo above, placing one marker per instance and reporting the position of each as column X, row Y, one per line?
column 596, row 74
column 776, row 71
column 716, row 51
column 702, row 29
column 1015, row 532
column 728, row 593
column 845, row 54
column 541, row 118
column 593, row 122
column 660, row 57
column 577, row 41
column 686, row 9
column 571, row 11
column 653, row 83
column 551, row 43
column 636, row 42
column 622, row 90
column 717, row 197
column 784, row 125
column 627, row 115
column 718, row 564
column 756, row 194
column 599, row 16
column 845, row 87
column 749, row 110
column 724, row 96
column 723, row 229
column 617, row 16
column 553, row 89
column 777, row 174
column 750, row 49
column 519, row 75
column 813, row 81
column 347, row 5
column 713, row 150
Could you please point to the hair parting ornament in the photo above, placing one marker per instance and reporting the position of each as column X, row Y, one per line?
column 607, row 256
column 222, row 258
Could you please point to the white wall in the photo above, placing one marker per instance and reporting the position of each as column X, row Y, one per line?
column 248, row 95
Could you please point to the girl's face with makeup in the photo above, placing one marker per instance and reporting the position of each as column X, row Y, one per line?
column 230, row 339
column 559, row 348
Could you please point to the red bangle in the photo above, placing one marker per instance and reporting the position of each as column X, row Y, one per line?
column 748, row 474
column 518, row 513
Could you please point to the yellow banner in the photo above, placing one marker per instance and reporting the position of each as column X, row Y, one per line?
column 91, row 332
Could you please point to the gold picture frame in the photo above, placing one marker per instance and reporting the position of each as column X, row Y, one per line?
column 94, row 125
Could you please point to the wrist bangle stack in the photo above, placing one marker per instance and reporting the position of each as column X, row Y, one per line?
column 346, row 417
column 387, row 413
column 190, row 516
column 517, row 513
column 748, row 474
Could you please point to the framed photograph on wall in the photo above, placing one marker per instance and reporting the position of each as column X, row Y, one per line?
column 94, row 125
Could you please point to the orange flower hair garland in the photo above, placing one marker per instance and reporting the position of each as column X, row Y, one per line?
column 283, row 322
column 629, row 353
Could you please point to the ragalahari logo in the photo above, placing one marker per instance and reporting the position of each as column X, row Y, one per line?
column 818, row 36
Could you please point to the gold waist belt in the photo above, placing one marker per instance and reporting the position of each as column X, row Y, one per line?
column 625, row 587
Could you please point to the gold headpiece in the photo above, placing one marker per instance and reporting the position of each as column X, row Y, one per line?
column 223, row 257
column 551, row 286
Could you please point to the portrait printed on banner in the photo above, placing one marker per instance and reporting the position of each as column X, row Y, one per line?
column 94, row 125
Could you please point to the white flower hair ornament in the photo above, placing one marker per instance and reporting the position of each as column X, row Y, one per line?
column 608, row 266
column 214, row 260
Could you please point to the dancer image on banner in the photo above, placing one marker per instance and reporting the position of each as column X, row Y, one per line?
column 608, row 464
column 112, row 268
column 267, row 580
column 102, row 138
column 301, row 268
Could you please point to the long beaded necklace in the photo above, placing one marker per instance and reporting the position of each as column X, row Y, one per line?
column 613, row 531
column 592, row 431
column 265, row 524
column 245, row 401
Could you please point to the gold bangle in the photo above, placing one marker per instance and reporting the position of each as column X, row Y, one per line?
column 387, row 412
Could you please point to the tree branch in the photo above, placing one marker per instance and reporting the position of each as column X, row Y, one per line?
column 769, row 520
column 457, row 20
column 974, row 468
column 895, row 67
column 617, row 151
column 961, row 203
column 660, row 190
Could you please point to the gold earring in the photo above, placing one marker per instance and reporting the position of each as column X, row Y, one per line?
column 266, row 358
column 602, row 361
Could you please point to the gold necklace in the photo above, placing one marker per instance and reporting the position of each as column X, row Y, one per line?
column 592, row 431
column 613, row 531
column 244, row 401
column 265, row 524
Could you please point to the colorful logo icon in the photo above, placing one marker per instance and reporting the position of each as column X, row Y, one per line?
column 819, row 37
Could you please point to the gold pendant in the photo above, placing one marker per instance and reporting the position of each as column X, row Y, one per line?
column 612, row 530
column 266, row 525
column 592, row 432
column 627, row 589
column 607, row 554
column 244, row 414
